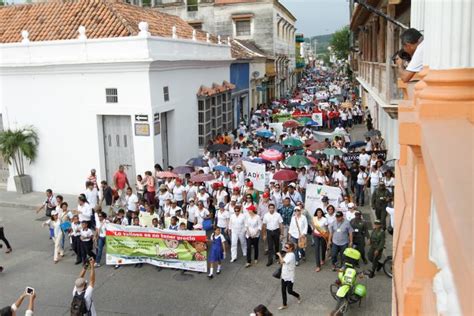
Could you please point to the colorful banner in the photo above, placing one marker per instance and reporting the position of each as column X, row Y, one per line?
column 186, row 250
column 318, row 118
column 281, row 117
column 315, row 192
column 256, row 173
column 354, row 156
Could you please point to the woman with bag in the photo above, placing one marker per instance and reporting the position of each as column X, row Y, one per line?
column 288, row 264
column 297, row 231
column 320, row 236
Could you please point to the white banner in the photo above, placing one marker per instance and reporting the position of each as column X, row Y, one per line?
column 318, row 118
column 256, row 173
column 315, row 192
column 321, row 136
column 278, row 127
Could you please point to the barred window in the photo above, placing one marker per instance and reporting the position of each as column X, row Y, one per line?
column 111, row 95
column 215, row 117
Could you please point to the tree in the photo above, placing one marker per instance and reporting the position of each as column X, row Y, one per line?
column 19, row 145
column 340, row 43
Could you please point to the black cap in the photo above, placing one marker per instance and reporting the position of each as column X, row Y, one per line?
column 339, row 214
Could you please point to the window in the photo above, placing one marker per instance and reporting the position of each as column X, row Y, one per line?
column 215, row 116
column 192, row 5
column 196, row 25
column 111, row 95
column 166, row 94
column 242, row 28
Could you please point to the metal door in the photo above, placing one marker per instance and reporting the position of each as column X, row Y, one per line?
column 4, row 171
column 118, row 144
column 164, row 138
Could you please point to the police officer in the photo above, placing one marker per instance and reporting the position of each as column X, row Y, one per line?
column 380, row 200
column 377, row 243
column 360, row 234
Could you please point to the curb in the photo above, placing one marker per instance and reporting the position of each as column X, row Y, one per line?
column 17, row 205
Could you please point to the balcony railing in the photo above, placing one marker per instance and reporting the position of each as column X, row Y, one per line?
column 374, row 74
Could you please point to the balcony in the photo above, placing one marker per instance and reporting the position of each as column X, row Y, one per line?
column 372, row 76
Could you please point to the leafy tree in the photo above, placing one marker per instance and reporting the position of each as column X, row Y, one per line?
column 19, row 145
column 340, row 43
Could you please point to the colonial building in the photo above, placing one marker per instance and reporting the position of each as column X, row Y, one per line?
column 108, row 83
column 375, row 40
column 266, row 23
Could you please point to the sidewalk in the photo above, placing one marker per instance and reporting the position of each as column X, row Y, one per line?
column 27, row 201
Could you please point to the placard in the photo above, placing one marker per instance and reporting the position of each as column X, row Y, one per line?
column 142, row 129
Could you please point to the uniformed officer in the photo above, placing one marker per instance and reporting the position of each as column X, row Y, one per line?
column 377, row 243
column 360, row 234
column 380, row 200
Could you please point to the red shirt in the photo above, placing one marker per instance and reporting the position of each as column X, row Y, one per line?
column 120, row 180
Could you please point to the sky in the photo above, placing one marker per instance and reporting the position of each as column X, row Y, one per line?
column 318, row 17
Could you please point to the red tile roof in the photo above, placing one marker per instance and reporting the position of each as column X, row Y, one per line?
column 101, row 18
column 216, row 89
column 241, row 49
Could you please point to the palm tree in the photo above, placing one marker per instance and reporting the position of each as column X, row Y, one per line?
column 19, row 145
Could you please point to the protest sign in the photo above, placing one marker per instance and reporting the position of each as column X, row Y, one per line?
column 321, row 136
column 186, row 250
column 281, row 117
column 256, row 173
column 278, row 127
column 314, row 194
column 354, row 156
column 318, row 118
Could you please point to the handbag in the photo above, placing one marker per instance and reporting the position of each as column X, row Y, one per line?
column 301, row 238
column 277, row 273
column 320, row 233
column 207, row 224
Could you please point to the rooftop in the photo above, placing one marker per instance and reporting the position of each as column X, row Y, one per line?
column 242, row 49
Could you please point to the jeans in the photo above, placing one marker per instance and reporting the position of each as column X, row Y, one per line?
column 299, row 252
column 287, row 286
column 273, row 242
column 76, row 246
column 373, row 187
column 86, row 250
column 360, row 194
column 4, row 239
column 335, row 251
column 100, row 248
column 252, row 242
column 320, row 249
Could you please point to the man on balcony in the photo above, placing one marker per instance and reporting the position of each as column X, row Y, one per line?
column 412, row 42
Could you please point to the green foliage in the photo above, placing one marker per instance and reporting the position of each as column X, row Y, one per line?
column 19, row 145
column 340, row 43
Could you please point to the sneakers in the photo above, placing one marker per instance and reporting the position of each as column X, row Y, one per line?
column 97, row 265
column 9, row 250
column 116, row 267
column 247, row 265
column 269, row 264
column 299, row 300
column 210, row 276
column 233, row 260
column 255, row 262
column 282, row 307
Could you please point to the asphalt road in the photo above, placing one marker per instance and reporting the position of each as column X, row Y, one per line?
column 146, row 291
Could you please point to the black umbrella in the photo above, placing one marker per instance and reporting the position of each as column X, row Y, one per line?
column 218, row 147
column 388, row 165
column 197, row 162
column 291, row 148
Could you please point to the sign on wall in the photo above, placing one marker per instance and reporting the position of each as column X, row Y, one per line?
column 156, row 124
column 141, row 118
column 142, row 129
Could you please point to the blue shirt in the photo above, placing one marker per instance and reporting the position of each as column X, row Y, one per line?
column 286, row 213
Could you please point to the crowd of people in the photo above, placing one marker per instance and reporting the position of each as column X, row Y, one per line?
column 214, row 189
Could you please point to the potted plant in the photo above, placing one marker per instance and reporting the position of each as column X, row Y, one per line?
column 16, row 147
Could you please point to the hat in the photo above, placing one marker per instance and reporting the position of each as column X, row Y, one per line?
column 292, row 184
column 324, row 199
column 297, row 208
column 250, row 184
column 233, row 199
column 197, row 227
column 202, row 188
column 377, row 222
column 339, row 214
column 236, row 189
column 350, row 205
column 80, row 283
column 221, row 204
column 163, row 187
column 173, row 201
column 54, row 213
column 266, row 195
column 238, row 167
column 251, row 208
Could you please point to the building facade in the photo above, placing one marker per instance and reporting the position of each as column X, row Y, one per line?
column 135, row 91
column 266, row 23
column 374, row 42
column 433, row 248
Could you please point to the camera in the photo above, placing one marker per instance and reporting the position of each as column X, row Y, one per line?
column 402, row 55
column 29, row 290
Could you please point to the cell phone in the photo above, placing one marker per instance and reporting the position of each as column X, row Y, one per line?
column 30, row 290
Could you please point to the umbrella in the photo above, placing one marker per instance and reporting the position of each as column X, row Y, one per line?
column 239, row 162
column 260, row 160
column 264, row 133
column 356, row 144
column 313, row 160
column 202, row 177
column 166, row 174
column 297, row 161
column 291, row 124
column 183, row 169
column 317, row 146
column 271, row 155
column 291, row 148
column 197, row 162
column 218, row 147
column 291, row 141
column 309, row 142
column 285, row 175
column 311, row 123
column 319, row 156
column 373, row 133
column 333, row 152
column 388, row 165
column 222, row 168
column 277, row 147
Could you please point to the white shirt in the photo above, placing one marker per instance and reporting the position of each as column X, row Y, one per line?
column 375, row 177
column 364, row 159
column 172, row 211
column 237, row 223
column 350, row 215
column 331, row 218
column 288, row 267
column 272, row 221
column 303, row 226
column 223, row 218
column 321, row 180
column 87, row 298
column 85, row 212
column 253, row 225
column 192, row 213
column 203, row 198
column 201, row 215
column 361, row 176
column 132, row 201
column 86, row 235
column 101, row 227
column 91, row 196
column 416, row 62
column 178, row 193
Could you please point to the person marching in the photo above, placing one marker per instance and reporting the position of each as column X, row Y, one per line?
column 237, row 232
column 359, row 234
column 217, row 253
column 288, row 267
column 272, row 228
column 377, row 243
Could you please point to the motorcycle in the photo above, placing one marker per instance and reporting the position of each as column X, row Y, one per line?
column 346, row 290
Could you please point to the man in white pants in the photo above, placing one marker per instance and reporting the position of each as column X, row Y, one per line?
column 237, row 232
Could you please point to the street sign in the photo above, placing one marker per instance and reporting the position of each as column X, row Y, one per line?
column 141, row 118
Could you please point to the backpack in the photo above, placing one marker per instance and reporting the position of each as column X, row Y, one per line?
column 78, row 305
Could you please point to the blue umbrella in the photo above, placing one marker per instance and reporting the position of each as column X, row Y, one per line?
column 222, row 169
column 311, row 123
column 197, row 162
column 356, row 144
column 301, row 106
column 260, row 160
column 264, row 133
column 278, row 147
